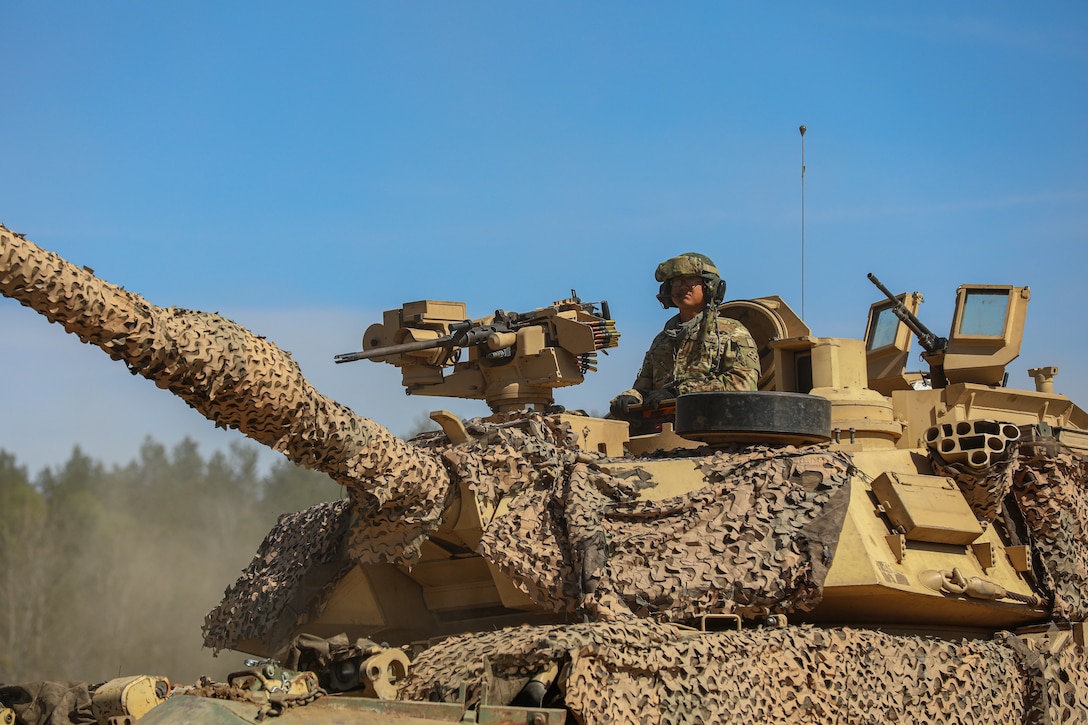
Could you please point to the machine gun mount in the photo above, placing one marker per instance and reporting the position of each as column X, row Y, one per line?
column 511, row 360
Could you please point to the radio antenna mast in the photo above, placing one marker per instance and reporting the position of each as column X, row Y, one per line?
column 803, row 129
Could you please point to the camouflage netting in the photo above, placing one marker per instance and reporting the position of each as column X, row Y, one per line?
column 237, row 380
column 757, row 538
column 303, row 552
column 640, row 671
column 643, row 671
column 1048, row 509
column 985, row 489
column 1051, row 491
column 231, row 376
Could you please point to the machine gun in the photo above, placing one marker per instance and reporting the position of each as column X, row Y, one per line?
column 931, row 342
column 933, row 345
column 513, row 360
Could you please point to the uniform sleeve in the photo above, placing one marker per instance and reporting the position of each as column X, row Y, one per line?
column 739, row 369
column 644, row 381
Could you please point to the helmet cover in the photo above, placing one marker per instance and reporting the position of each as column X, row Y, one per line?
column 685, row 265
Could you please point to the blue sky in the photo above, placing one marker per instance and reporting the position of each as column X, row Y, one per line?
column 301, row 167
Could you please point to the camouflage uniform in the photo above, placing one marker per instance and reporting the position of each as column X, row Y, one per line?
column 682, row 359
column 708, row 353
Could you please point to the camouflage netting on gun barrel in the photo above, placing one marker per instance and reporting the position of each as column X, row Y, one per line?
column 231, row 376
column 641, row 671
column 237, row 380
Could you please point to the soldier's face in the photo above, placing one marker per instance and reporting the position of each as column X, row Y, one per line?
column 689, row 294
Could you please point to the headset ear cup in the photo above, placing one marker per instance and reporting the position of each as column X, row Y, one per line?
column 715, row 290
column 719, row 291
column 664, row 295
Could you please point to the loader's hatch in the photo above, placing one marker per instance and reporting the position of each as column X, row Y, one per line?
column 986, row 332
column 887, row 344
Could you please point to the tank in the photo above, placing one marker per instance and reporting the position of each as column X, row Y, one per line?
column 853, row 542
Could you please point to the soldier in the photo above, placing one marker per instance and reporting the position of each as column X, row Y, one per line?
column 698, row 351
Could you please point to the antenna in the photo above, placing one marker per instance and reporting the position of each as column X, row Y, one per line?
column 803, row 129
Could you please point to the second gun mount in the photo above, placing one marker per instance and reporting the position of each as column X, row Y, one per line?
column 987, row 330
column 511, row 360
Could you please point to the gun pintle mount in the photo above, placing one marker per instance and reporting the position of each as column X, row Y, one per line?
column 511, row 360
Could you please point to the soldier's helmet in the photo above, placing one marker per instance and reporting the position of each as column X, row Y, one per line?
column 685, row 265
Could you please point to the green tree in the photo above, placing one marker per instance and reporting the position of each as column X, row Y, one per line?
column 289, row 488
column 108, row 572
column 25, row 555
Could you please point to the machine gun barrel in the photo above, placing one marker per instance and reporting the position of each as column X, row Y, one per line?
column 443, row 341
column 463, row 334
column 929, row 341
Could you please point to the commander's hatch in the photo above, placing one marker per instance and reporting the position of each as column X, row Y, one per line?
column 986, row 332
column 767, row 319
column 987, row 329
column 887, row 345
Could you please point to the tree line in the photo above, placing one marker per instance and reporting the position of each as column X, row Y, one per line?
column 110, row 571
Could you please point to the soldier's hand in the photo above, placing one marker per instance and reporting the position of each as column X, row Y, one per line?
column 621, row 405
column 657, row 397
